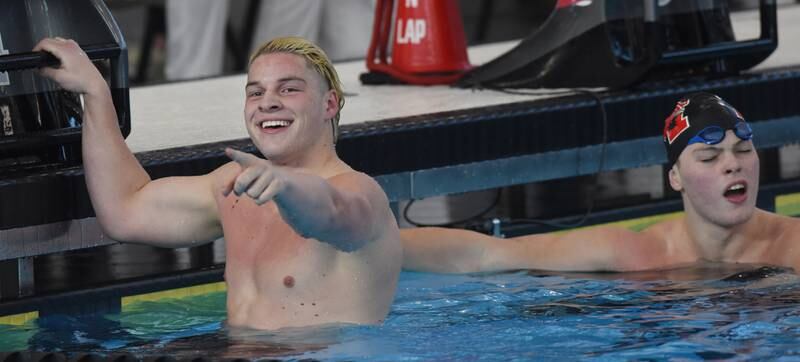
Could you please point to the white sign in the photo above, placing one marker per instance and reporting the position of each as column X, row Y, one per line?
column 5, row 114
column 413, row 31
column 3, row 75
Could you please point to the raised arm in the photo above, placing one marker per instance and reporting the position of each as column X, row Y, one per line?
column 129, row 206
column 346, row 211
column 604, row 248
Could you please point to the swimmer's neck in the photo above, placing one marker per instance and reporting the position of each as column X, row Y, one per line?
column 313, row 161
column 717, row 243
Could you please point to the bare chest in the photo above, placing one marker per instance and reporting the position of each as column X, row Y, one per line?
column 259, row 244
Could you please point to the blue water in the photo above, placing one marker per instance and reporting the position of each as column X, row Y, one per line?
column 687, row 314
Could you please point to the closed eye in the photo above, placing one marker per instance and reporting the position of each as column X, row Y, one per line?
column 743, row 146
column 707, row 154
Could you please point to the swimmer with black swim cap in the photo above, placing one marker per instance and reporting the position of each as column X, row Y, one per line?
column 701, row 118
column 712, row 163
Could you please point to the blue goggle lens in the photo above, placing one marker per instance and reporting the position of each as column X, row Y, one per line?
column 714, row 134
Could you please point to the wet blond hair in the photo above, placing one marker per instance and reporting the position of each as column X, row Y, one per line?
column 315, row 58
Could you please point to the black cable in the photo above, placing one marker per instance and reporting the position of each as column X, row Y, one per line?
column 600, row 167
column 530, row 92
column 491, row 206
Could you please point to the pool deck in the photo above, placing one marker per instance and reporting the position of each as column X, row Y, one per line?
column 415, row 137
column 210, row 110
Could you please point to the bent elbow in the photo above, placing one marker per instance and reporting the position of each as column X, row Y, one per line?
column 115, row 232
column 118, row 227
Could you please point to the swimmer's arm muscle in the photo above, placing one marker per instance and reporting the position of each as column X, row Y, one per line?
column 129, row 207
column 167, row 212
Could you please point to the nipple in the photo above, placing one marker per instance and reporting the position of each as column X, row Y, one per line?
column 288, row 281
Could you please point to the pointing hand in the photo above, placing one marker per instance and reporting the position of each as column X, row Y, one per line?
column 259, row 179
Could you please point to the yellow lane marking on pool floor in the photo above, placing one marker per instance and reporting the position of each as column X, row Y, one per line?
column 637, row 224
column 788, row 205
column 175, row 293
column 641, row 223
column 19, row 319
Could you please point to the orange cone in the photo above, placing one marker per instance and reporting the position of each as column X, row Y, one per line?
column 427, row 43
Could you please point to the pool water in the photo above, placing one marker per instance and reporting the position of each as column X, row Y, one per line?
column 705, row 312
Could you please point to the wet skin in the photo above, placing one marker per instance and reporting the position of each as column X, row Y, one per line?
column 309, row 241
column 719, row 186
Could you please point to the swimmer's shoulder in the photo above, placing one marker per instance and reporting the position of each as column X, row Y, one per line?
column 776, row 220
column 229, row 167
column 665, row 229
column 341, row 172
column 785, row 230
column 356, row 181
column 224, row 173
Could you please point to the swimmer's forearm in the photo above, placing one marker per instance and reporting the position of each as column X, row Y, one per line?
column 316, row 209
column 589, row 250
column 441, row 250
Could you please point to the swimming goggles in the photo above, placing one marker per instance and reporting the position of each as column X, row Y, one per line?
column 712, row 135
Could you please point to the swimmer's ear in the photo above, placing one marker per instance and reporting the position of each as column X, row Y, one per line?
column 331, row 104
column 675, row 178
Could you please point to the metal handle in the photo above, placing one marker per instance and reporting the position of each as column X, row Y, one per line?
column 32, row 60
column 766, row 42
column 27, row 61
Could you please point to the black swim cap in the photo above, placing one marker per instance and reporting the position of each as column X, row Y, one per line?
column 692, row 114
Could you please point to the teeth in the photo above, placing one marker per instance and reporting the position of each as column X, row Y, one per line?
column 281, row 123
column 736, row 187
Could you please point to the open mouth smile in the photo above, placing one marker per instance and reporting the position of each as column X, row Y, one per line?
column 275, row 125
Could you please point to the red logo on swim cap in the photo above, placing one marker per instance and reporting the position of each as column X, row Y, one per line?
column 677, row 122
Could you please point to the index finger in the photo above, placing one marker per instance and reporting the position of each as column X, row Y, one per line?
column 242, row 158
